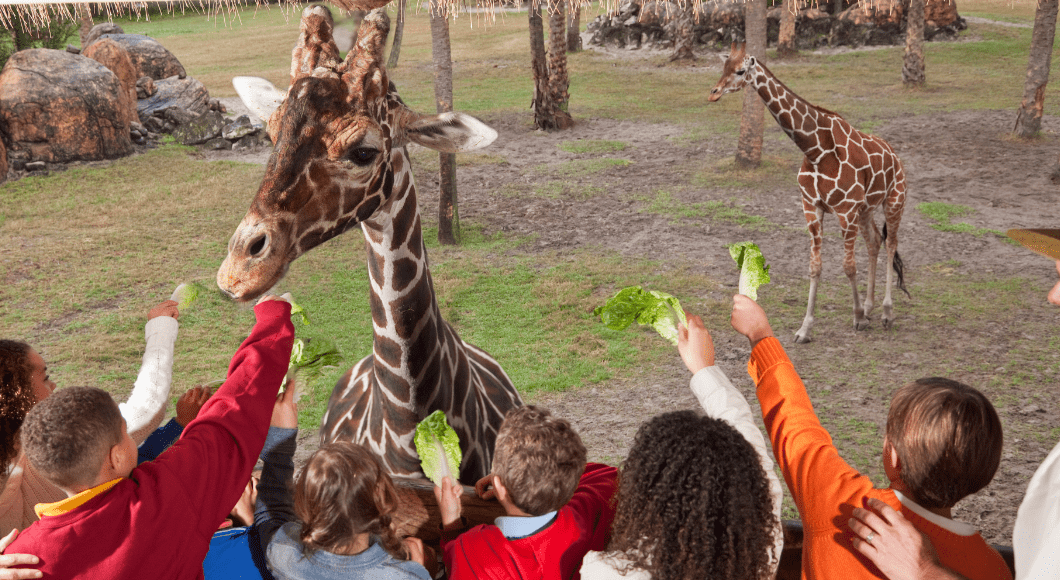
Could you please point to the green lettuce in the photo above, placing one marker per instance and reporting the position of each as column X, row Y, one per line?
column 753, row 269
column 439, row 448
column 185, row 294
column 659, row 310
column 309, row 358
column 296, row 309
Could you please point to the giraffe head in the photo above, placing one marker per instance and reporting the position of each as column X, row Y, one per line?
column 734, row 73
column 340, row 134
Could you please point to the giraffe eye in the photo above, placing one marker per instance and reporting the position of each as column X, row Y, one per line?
column 741, row 71
column 362, row 156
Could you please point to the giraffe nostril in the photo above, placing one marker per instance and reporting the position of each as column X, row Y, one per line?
column 257, row 246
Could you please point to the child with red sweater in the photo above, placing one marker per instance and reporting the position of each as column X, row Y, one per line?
column 943, row 442
column 558, row 508
column 155, row 520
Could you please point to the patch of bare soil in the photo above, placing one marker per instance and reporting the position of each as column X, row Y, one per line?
column 954, row 157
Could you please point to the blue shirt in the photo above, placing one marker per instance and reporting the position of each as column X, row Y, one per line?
column 288, row 562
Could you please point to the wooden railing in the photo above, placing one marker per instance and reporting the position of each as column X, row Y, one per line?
column 419, row 517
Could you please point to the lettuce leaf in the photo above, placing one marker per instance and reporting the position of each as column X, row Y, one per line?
column 753, row 269
column 309, row 358
column 296, row 309
column 439, row 448
column 659, row 310
column 186, row 294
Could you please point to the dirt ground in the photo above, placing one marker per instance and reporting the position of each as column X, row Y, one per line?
column 955, row 157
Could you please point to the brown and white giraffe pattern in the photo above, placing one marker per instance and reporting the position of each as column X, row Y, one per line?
column 845, row 172
column 340, row 161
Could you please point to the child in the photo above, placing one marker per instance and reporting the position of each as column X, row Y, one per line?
column 154, row 520
column 558, row 508
column 24, row 382
column 683, row 467
column 943, row 443
column 343, row 504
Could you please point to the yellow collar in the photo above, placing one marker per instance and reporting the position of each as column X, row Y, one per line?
column 73, row 502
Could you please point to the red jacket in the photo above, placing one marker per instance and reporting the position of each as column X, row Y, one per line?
column 554, row 553
column 157, row 523
column 826, row 489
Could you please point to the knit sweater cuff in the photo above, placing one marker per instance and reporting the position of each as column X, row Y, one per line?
column 766, row 354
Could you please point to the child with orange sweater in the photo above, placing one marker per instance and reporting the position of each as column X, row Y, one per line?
column 943, row 442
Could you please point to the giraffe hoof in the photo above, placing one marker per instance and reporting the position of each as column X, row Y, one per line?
column 888, row 323
column 861, row 324
column 802, row 338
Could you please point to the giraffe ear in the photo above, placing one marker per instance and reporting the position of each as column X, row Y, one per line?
column 316, row 46
column 450, row 132
column 259, row 95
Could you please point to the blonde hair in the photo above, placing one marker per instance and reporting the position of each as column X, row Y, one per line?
column 539, row 459
column 948, row 439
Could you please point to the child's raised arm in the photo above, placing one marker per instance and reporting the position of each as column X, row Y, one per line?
column 749, row 319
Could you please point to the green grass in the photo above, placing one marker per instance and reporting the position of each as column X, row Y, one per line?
column 943, row 215
column 583, row 167
column 662, row 202
column 593, row 146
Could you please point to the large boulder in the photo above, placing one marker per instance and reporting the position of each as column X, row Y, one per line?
column 152, row 58
column 111, row 55
column 61, row 107
column 185, row 93
column 99, row 30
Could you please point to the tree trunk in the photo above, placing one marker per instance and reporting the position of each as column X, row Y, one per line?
column 448, row 214
column 86, row 24
column 684, row 34
column 558, row 80
column 1029, row 115
column 749, row 146
column 913, row 65
column 789, row 12
column 399, row 29
column 547, row 114
column 574, row 28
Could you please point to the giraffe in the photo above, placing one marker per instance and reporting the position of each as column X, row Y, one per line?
column 845, row 172
column 340, row 161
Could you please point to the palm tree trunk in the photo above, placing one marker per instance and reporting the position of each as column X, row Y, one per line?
column 558, row 80
column 913, row 65
column 574, row 26
column 1029, row 115
column 399, row 30
column 789, row 12
column 547, row 114
column 448, row 214
column 752, row 124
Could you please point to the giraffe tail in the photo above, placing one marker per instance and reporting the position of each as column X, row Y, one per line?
column 899, row 267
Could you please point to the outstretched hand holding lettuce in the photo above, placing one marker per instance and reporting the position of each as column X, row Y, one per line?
column 753, row 269
column 659, row 310
column 438, row 446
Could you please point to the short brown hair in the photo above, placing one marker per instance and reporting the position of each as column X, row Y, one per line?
column 67, row 436
column 948, row 439
column 539, row 459
column 341, row 492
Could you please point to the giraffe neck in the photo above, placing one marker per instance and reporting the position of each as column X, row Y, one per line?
column 406, row 321
column 799, row 119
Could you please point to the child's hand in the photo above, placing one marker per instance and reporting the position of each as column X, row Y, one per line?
column 749, row 319
column 484, row 488
column 190, row 403
column 8, row 560
column 285, row 411
column 167, row 308
column 694, row 344
column 448, row 497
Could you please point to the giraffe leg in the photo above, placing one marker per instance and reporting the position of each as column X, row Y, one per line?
column 813, row 223
column 872, row 243
column 850, row 268
column 893, row 207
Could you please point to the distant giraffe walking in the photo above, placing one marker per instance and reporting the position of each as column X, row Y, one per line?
column 339, row 162
column 845, row 172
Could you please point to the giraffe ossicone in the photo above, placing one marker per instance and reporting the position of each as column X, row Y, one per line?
column 845, row 172
column 339, row 161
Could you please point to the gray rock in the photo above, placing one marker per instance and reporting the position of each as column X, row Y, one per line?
column 154, row 124
column 253, row 141
column 179, row 116
column 218, row 144
column 36, row 166
column 99, row 30
column 72, row 49
column 239, row 128
column 187, row 94
column 205, row 127
column 152, row 58
column 145, row 87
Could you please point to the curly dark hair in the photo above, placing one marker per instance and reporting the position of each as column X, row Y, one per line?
column 693, row 502
column 16, row 396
